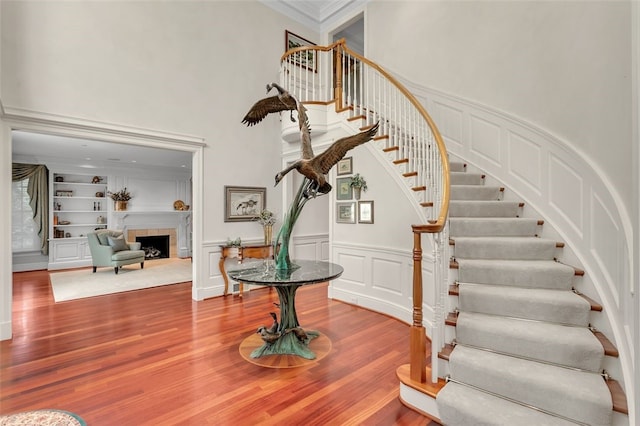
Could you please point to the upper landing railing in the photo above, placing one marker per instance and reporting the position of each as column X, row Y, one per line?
column 335, row 74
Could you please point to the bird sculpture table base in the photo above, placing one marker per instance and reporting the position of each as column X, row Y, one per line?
column 289, row 338
column 285, row 336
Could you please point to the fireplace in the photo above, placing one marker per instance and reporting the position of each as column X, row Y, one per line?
column 154, row 246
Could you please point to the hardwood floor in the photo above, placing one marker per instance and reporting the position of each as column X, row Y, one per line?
column 155, row 357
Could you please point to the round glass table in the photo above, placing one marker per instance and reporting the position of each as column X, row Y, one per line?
column 285, row 336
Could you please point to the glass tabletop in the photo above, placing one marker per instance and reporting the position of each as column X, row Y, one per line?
column 306, row 272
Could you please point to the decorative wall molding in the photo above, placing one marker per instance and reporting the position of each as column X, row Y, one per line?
column 380, row 279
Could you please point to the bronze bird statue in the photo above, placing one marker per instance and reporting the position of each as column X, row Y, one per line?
column 267, row 336
column 300, row 334
column 315, row 167
column 283, row 101
column 274, row 325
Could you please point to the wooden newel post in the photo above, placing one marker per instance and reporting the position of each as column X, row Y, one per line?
column 417, row 337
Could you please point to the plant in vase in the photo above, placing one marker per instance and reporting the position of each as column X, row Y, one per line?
column 267, row 219
column 358, row 183
column 120, row 198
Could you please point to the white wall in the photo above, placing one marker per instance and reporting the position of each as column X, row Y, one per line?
column 563, row 66
column 185, row 68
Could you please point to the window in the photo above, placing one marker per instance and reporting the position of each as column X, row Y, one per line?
column 24, row 231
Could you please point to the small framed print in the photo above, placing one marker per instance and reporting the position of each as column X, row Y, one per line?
column 346, row 212
column 365, row 211
column 243, row 203
column 344, row 191
column 345, row 166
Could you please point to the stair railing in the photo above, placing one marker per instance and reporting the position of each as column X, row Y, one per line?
column 336, row 74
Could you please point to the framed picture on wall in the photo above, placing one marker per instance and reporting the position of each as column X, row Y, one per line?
column 345, row 166
column 243, row 203
column 305, row 58
column 365, row 211
column 346, row 212
column 343, row 189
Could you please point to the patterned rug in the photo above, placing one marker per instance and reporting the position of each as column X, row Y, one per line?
column 42, row 418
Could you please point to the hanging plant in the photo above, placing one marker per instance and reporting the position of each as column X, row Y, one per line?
column 358, row 181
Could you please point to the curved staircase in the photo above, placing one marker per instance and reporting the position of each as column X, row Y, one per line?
column 517, row 346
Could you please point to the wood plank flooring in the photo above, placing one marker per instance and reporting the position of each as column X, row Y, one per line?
column 155, row 357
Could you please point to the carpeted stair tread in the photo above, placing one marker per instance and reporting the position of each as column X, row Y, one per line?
column 457, row 166
column 558, row 306
column 465, row 178
column 475, row 192
column 475, row 208
column 484, row 227
column 461, row 405
column 521, row 273
column 508, row 248
column 579, row 395
column 537, row 340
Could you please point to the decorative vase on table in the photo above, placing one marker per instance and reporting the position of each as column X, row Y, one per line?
column 121, row 206
column 268, row 234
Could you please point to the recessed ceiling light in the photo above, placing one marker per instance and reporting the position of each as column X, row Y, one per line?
column 133, row 161
column 88, row 158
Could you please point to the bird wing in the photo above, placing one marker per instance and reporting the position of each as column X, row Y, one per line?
column 325, row 161
column 305, row 133
column 266, row 106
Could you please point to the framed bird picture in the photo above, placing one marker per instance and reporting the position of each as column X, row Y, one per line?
column 346, row 212
column 244, row 203
column 303, row 58
column 345, row 166
column 344, row 191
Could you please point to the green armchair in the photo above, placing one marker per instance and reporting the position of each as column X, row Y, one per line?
column 108, row 248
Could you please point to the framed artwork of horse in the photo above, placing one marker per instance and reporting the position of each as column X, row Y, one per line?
column 244, row 203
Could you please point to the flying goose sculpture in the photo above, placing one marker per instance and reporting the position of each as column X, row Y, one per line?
column 315, row 167
column 283, row 101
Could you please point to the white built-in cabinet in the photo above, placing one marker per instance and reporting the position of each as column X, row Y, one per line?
column 78, row 205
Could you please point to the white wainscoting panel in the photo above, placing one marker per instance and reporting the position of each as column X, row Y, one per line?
column 566, row 189
column 450, row 122
column 484, row 137
column 525, row 160
column 606, row 246
column 381, row 280
column 386, row 275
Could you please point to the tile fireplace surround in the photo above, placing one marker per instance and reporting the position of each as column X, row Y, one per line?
column 176, row 224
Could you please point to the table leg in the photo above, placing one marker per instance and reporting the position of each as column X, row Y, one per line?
column 224, row 275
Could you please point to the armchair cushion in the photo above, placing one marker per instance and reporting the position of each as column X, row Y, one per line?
column 117, row 243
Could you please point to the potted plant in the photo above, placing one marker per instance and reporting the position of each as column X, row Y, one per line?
column 358, row 183
column 267, row 219
column 120, row 199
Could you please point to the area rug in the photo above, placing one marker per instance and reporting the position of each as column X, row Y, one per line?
column 42, row 418
column 83, row 283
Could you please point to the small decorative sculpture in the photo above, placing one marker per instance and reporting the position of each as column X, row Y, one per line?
column 315, row 167
column 283, row 101
column 271, row 334
column 299, row 333
column 96, row 179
